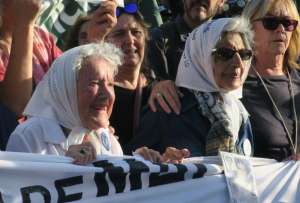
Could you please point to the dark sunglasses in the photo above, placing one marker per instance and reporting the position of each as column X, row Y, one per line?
column 272, row 23
column 226, row 54
column 129, row 8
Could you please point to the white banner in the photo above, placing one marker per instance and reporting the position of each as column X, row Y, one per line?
column 43, row 178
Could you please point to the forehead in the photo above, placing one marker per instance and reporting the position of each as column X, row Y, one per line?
column 95, row 67
column 232, row 40
column 279, row 9
column 126, row 21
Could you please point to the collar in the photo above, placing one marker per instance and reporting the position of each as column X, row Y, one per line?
column 52, row 131
column 181, row 26
column 188, row 100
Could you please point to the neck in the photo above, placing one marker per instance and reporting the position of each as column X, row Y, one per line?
column 191, row 24
column 127, row 78
column 269, row 66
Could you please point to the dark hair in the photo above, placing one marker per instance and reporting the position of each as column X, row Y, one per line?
column 138, row 17
column 72, row 35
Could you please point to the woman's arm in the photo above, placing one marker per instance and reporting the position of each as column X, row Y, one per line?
column 16, row 88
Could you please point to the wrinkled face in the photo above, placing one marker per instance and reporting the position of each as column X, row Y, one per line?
column 272, row 42
column 129, row 36
column 95, row 92
column 228, row 72
column 201, row 10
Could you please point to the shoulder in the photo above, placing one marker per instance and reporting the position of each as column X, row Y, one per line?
column 25, row 135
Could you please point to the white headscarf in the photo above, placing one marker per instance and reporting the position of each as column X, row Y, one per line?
column 55, row 97
column 195, row 68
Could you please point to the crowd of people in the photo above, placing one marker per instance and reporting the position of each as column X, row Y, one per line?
column 193, row 86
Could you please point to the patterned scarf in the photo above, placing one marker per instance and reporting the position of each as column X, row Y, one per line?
column 221, row 135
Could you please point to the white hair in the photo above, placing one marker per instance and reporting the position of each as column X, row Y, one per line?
column 104, row 50
column 243, row 27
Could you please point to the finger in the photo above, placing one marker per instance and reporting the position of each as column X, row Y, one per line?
column 173, row 92
column 163, row 104
column 151, row 103
column 170, row 100
column 185, row 152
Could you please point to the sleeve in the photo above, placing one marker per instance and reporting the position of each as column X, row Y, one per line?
column 18, row 143
column 148, row 134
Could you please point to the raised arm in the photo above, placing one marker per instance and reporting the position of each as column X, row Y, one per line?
column 16, row 88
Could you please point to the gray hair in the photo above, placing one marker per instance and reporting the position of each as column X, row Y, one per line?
column 104, row 50
column 243, row 27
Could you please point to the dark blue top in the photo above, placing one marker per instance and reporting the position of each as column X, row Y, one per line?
column 159, row 130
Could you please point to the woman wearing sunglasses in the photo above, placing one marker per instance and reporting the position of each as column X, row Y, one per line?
column 271, row 91
column 211, row 72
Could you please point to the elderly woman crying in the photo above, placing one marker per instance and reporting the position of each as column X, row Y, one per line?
column 211, row 73
column 69, row 111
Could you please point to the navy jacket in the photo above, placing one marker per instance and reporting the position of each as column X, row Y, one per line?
column 159, row 130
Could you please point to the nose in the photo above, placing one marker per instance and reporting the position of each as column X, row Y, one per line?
column 129, row 39
column 106, row 93
column 280, row 28
column 237, row 60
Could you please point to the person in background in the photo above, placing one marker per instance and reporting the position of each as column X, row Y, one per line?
column 272, row 89
column 149, row 9
column 78, row 34
column 132, row 83
column 166, row 46
column 214, row 65
column 26, row 53
column 69, row 111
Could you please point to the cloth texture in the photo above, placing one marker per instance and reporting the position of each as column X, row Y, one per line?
column 8, row 123
column 45, row 136
column 166, row 46
column 44, row 53
column 270, row 137
column 124, row 105
column 159, row 130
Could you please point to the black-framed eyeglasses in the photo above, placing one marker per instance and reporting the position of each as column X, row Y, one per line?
column 129, row 8
column 272, row 23
column 226, row 54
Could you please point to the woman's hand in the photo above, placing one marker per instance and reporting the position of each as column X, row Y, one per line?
column 102, row 21
column 173, row 155
column 26, row 11
column 295, row 157
column 149, row 154
column 82, row 154
column 166, row 94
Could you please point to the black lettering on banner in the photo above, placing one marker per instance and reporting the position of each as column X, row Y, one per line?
column 67, row 182
column 116, row 175
column 200, row 172
column 26, row 191
column 161, row 179
column 136, row 168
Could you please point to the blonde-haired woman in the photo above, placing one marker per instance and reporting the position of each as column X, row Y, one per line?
column 271, row 91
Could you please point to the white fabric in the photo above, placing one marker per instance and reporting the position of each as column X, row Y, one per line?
column 195, row 69
column 45, row 136
column 55, row 97
column 54, row 102
column 276, row 182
